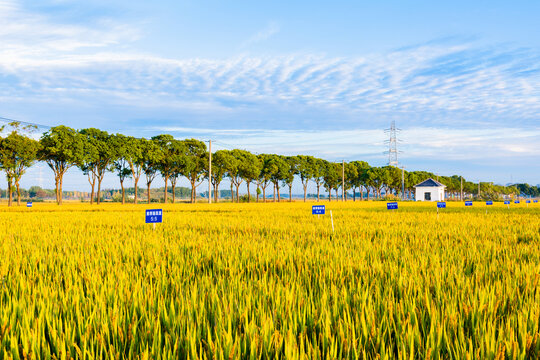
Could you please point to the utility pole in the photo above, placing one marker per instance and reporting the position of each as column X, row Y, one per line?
column 403, row 183
column 209, row 171
column 461, row 192
column 343, row 181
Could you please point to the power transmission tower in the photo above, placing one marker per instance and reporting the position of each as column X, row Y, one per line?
column 392, row 144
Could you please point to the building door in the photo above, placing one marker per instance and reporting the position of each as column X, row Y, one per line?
column 427, row 196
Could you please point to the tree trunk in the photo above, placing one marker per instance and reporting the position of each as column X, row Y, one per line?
column 60, row 189
column 165, row 195
column 56, row 184
column 100, row 179
column 18, row 193
column 237, row 198
column 123, row 192
column 318, row 191
column 136, row 182
column 216, row 192
column 274, row 200
column 354, row 194
column 10, row 193
column 247, row 184
column 337, row 194
column 232, row 192
column 148, row 193
column 330, row 194
column 93, row 185
column 258, row 191
column 305, row 191
column 173, row 186
column 290, row 193
column 264, row 194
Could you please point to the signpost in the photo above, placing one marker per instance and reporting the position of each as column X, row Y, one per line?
column 154, row 216
column 440, row 205
column 468, row 203
column 507, row 203
column 318, row 210
column 29, row 204
column 391, row 206
column 489, row 202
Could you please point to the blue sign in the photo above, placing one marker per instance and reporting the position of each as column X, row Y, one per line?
column 516, row 202
column 29, row 204
column 391, row 206
column 441, row 204
column 528, row 201
column 318, row 210
column 468, row 203
column 154, row 216
column 506, row 202
column 535, row 201
column 489, row 202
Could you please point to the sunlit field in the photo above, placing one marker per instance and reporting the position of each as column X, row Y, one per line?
column 270, row 281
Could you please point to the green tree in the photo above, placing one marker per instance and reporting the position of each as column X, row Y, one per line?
column 103, row 152
column 306, row 170
column 153, row 155
column 171, row 150
column 278, row 169
column 265, row 176
column 292, row 170
column 220, row 164
column 120, row 164
column 61, row 148
column 250, row 170
column 331, row 177
column 351, row 179
column 319, row 169
column 17, row 154
column 135, row 157
column 196, row 164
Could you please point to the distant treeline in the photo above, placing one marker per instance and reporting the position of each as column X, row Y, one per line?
column 96, row 152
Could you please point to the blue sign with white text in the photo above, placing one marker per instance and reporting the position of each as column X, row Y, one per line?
column 441, row 204
column 468, row 203
column 516, row 202
column 29, row 204
column 489, row 202
column 154, row 216
column 506, row 202
column 535, row 201
column 318, row 210
column 391, row 206
column 528, row 201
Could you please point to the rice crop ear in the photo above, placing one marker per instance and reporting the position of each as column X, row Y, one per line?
column 236, row 281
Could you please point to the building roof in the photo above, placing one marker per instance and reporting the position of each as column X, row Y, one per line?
column 429, row 183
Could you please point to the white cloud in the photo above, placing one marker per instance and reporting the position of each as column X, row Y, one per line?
column 434, row 83
column 270, row 30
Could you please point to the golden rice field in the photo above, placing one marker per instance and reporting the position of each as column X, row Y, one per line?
column 270, row 281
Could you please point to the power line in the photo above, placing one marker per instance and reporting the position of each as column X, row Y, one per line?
column 8, row 120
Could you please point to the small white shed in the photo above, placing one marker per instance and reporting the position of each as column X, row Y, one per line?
column 429, row 190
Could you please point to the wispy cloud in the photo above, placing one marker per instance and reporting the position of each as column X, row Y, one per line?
column 270, row 30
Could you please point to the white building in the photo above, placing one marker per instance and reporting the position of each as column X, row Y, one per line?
column 429, row 190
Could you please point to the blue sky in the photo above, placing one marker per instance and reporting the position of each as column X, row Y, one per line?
column 461, row 79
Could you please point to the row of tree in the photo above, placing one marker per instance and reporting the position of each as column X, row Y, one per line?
column 96, row 152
